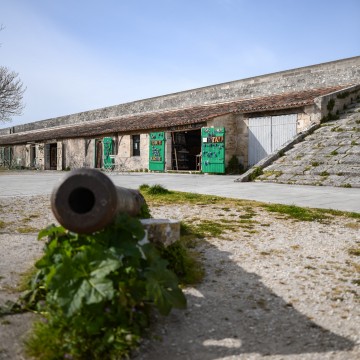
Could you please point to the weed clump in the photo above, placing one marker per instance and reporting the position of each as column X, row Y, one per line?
column 97, row 292
column 154, row 189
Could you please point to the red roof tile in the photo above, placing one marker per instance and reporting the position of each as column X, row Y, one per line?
column 167, row 119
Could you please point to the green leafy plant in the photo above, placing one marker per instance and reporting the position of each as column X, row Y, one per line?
column 257, row 172
column 330, row 105
column 96, row 292
column 234, row 166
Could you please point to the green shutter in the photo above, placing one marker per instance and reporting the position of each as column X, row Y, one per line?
column 108, row 152
column 2, row 156
column 213, row 150
column 157, row 151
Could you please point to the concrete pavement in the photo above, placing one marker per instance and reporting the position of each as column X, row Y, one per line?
column 28, row 183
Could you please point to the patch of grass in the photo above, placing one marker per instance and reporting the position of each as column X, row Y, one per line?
column 346, row 186
column 160, row 196
column 355, row 251
column 296, row 212
column 324, row 173
column 354, row 265
column 247, row 216
column 354, row 143
column 246, row 221
column 256, row 173
column 184, row 261
column 27, row 230
column 25, row 279
column 157, row 190
column 190, row 234
column 2, row 224
column 275, row 173
column 355, row 226
column 144, row 187
column 333, row 153
column 213, row 228
column 265, row 253
column 315, row 163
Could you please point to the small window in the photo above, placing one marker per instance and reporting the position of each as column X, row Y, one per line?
column 136, row 145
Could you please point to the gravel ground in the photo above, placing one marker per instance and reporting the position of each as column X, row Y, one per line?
column 275, row 287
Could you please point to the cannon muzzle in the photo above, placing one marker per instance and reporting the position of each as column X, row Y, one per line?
column 87, row 200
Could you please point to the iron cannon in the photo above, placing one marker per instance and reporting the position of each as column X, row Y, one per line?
column 86, row 200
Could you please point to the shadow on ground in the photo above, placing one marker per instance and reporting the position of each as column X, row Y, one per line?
column 232, row 313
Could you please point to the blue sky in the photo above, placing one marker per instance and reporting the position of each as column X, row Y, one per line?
column 77, row 55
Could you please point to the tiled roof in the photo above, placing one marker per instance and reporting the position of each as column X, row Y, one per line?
column 167, row 119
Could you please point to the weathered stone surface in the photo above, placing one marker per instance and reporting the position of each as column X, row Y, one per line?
column 329, row 156
column 161, row 231
column 350, row 159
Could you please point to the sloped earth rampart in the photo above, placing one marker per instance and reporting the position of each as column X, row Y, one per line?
column 274, row 287
column 330, row 156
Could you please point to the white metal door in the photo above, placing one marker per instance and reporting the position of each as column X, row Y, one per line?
column 269, row 133
column 283, row 129
column 259, row 139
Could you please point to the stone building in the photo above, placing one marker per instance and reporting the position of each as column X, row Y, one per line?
column 199, row 129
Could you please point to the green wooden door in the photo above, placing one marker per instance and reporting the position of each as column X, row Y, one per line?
column 213, row 150
column 157, row 151
column 2, row 156
column 108, row 153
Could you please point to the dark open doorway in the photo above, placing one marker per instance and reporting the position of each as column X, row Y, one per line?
column 186, row 150
column 32, row 156
column 53, row 156
column 98, row 153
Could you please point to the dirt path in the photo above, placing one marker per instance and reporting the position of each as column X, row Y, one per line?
column 274, row 287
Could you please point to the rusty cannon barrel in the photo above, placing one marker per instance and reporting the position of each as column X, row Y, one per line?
column 86, row 201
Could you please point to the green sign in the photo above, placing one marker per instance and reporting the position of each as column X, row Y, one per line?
column 213, row 150
column 108, row 153
column 157, row 151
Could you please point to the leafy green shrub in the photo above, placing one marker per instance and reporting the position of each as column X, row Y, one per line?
column 343, row 95
column 234, row 166
column 97, row 291
column 330, row 105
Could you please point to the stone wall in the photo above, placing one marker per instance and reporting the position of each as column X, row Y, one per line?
column 340, row 72
column 74, row 153
column 124, row 159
